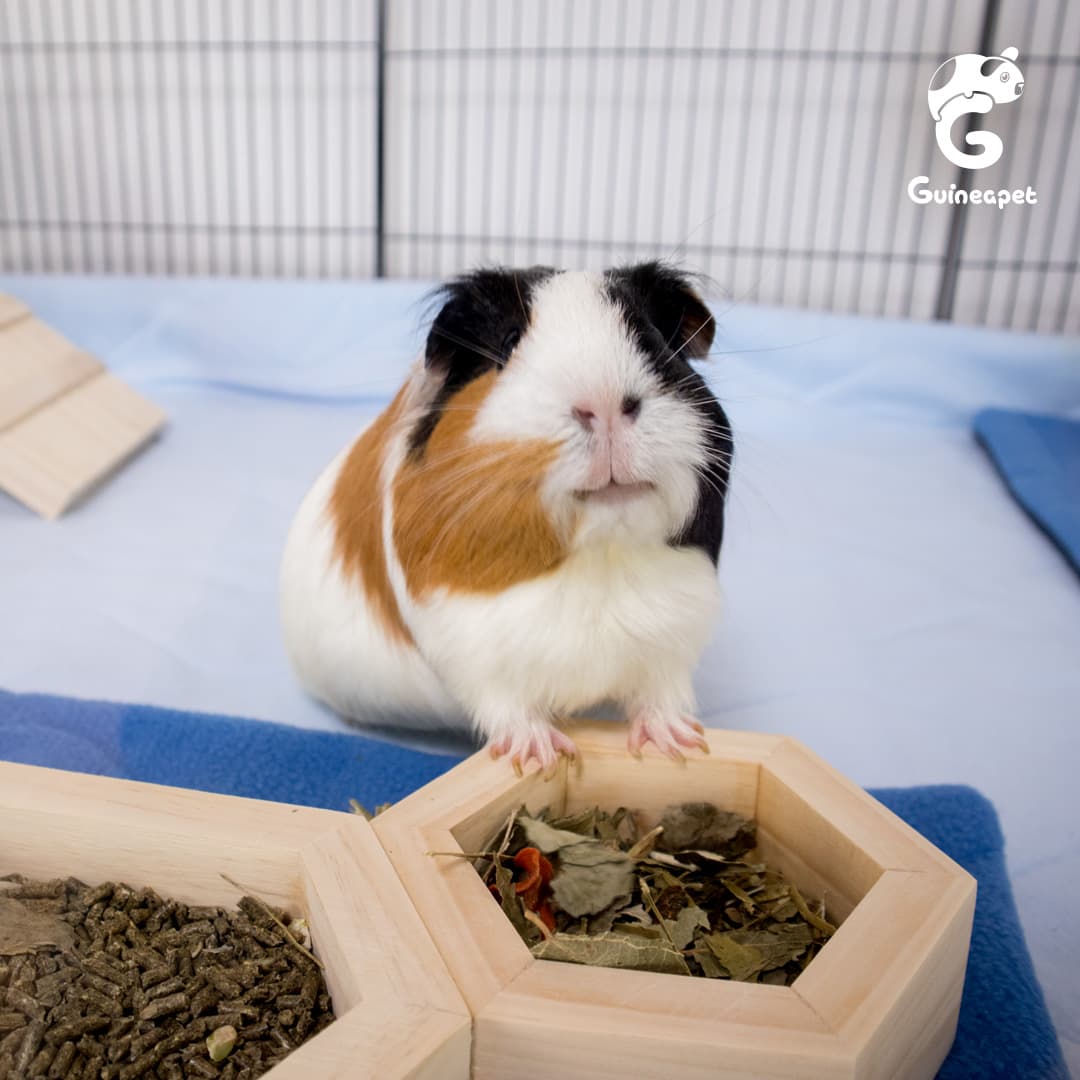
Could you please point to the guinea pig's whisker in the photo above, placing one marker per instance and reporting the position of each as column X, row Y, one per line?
column 521, row 299
column 717, row 464
column 708, row 479
column 474, row 345
column 440, row 461
column 462, row 462
column 716, row 470
column 694, row 377
column 709, row 320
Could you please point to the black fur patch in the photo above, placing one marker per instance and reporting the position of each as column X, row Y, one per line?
column 483, row 316
column 671, row 327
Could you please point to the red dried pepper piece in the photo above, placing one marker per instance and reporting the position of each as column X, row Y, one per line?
column 532, row 887
column 547, row 916
column 537, row 874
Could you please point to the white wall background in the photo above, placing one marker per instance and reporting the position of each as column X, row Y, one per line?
column 768, row 144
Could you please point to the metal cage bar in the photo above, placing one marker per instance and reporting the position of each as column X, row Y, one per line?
column 768, row 145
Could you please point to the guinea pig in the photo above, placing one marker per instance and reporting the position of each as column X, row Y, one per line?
column 533, row 524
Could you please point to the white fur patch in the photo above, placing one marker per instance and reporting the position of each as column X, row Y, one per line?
column 614, row 622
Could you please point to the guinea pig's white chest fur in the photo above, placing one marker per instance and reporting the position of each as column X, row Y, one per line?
column 614, row 621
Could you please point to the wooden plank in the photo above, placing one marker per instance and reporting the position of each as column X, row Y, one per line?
column 604, row 771
column 174, row 840
column 805, row 803
column 37, row 365
column 57, row 454
column 11, row 310
column 376, row 926
column 460, row 811
column 889, row 982
column 590, row 1022
column 376, row 1041
column 478, row 943
column 644, row 994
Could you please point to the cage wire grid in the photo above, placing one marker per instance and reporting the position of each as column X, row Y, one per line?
column 769, row 145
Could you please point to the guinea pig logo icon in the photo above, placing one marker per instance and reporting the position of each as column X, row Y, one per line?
column 971, row 83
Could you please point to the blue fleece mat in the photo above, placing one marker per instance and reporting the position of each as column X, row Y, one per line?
column 1039, row 459
column 1004, row 1027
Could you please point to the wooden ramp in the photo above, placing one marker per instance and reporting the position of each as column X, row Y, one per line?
column 65, row 422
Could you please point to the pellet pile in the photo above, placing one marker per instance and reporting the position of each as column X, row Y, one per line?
column 116, row 983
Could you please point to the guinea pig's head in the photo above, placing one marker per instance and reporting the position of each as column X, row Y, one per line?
column 584, row 381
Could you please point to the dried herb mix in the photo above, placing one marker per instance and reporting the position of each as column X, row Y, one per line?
column 688, row 897
column 116, row 983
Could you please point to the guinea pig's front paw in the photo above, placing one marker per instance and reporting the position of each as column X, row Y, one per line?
column 670, row 732
column 533, row 741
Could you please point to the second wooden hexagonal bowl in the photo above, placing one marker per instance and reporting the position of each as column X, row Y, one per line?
column 881, row 999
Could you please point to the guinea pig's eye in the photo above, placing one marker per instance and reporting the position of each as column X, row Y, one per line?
column 1004, row 76
column 509, row 343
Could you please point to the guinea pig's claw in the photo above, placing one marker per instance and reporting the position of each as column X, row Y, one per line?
column 670, row 733
column 545, row 746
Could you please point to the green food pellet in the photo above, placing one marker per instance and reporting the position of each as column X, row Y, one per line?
column 220, row 1042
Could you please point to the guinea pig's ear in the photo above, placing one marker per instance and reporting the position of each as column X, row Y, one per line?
column 666, row 298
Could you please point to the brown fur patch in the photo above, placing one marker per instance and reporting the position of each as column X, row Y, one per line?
column 468, row 516
column 356, row 509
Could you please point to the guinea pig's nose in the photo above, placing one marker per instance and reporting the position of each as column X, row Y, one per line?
column 593, row 417
column 584, row 416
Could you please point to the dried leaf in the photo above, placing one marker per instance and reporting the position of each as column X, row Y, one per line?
column 605, row 920
column 711, row 968
column 590, row 878
column 743, row 896
column 702, row 825
column 24, row 930
column 641, row 848
column 683, row 926
column 783, row 911
column 511, row 903
column 746, row 952
column 636, row 913
column 811, row 917
column 583, row 823
column 664, row 859
column 541, row 835
column 613, row 950
column 740, row 961
column 617, row 828
column 650, row 932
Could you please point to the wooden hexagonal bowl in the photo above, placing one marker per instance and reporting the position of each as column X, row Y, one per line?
column 398, row 1012
column 881, row 999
